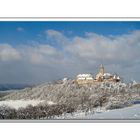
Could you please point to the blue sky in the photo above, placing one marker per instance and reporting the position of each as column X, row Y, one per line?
column 36, row 52
column 33, row 31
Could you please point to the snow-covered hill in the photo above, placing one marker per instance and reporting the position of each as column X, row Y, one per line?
column 67, row 93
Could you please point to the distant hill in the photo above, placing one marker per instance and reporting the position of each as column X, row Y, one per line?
column 4, row 87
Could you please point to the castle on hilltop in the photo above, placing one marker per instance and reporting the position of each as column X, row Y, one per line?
column 102, row 76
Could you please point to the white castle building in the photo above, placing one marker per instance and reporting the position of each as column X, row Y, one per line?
column 100, row 77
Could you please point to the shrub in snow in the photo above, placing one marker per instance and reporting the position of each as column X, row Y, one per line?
column 7, row 113
column 35, row 112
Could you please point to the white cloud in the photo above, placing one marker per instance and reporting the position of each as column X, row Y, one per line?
column 54, row 33
column 20, row 29
column 44, row 62
column 120, row 48
column 8, row 53
column 40, row 54
column 56, row 36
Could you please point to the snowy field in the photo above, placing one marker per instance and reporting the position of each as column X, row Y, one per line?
column 132, row 112
column 20, row 103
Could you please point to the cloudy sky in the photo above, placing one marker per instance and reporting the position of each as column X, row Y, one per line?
column 36, row 52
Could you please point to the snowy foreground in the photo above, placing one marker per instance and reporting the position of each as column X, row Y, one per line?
column 132, row 112
column 20, row 103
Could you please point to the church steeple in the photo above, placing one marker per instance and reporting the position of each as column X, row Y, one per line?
column 102, row 69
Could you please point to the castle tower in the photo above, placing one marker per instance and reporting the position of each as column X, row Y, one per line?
column 99, row 76
column 102, row 69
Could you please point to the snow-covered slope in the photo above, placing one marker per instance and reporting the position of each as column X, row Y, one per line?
column 61, row 89
column 79, row 97
column 132, row 112
column 20, row 103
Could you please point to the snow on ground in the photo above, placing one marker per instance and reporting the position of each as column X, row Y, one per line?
column 132, row 112
column 50, row 103
column 20, row 103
